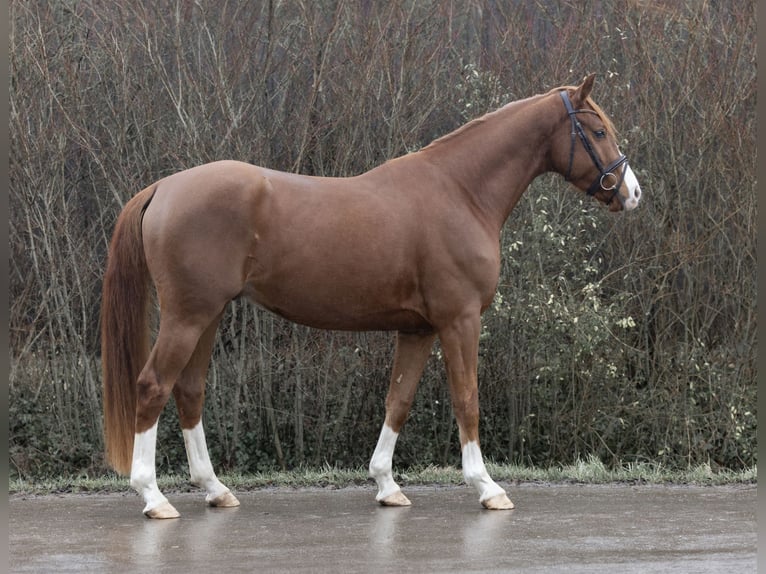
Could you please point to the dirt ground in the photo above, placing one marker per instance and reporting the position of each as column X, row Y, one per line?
column 554, row 528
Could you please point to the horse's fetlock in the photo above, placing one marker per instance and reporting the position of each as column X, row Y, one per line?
column 141, row 479
column 380, row 468
column 472, row 475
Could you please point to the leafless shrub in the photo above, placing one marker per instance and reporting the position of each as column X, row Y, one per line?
column 632, row 338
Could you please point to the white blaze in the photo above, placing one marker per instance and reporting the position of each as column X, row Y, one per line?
column 634, row 190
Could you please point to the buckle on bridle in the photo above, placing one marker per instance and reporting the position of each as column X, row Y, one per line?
column 605, row 187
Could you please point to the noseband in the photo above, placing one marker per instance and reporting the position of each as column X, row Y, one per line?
column 607, row 175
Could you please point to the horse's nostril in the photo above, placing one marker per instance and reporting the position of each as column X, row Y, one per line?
column 638, row 193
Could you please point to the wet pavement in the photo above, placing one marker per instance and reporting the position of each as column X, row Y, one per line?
column 560, row 528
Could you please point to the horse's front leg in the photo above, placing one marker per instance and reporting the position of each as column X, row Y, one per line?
column 412, row 351
column 460, row 344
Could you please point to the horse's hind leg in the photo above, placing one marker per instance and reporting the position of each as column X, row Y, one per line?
column 189, row 394
column 412, row 351
column 176, row 342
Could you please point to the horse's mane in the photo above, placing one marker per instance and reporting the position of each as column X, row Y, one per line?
column 481, row 119
column 473, row 123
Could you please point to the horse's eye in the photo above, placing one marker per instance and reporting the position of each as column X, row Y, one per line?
column 600, row 134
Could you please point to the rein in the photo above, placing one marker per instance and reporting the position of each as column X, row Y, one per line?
column 605, row 173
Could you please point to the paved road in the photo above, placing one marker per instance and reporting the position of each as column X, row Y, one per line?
column 569, row 529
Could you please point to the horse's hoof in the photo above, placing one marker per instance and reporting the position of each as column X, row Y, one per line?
column 395, row 499
column 498, row 502
column 164, row 510
column 225, row 500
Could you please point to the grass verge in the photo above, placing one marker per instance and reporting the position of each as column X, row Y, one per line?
column 592, row 471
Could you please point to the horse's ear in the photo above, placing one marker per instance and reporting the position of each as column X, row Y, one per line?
column 583, row 90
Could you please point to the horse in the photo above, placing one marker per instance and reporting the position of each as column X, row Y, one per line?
column 411, row 246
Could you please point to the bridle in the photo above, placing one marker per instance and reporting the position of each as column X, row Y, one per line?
column 607, row 175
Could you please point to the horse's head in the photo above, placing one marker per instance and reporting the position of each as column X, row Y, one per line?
column 585, row 151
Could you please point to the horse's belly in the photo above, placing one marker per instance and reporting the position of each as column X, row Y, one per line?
column 338, row 318
column 348, row 300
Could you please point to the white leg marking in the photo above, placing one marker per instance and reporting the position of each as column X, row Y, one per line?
column 634, row 190
column 381, row 463
column 143, row 477
column 475, row 473
column 200, row 467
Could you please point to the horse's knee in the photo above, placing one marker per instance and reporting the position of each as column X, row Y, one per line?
column 397, row 410
column 467, row 413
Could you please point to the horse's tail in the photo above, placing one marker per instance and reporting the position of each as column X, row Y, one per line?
column 124, row 330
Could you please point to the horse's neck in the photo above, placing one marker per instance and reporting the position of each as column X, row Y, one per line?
column 495, row 158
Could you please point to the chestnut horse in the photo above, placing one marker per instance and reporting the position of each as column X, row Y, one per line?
column 411, row 246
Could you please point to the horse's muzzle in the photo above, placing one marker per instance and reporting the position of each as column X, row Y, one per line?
column 630, row 183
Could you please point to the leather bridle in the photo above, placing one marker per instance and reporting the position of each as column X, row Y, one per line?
column 606, row 174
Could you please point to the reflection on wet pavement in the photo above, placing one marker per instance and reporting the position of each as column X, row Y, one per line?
column 552, row 529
